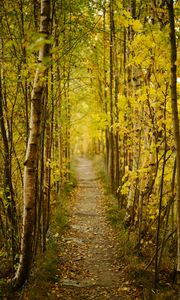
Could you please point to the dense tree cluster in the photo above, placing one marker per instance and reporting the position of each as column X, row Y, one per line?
column 97, row 77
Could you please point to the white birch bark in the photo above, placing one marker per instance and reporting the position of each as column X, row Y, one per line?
column 30, row 169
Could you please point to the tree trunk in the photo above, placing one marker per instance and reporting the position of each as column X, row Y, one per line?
column 175, row 122
column 105, row 100
column 111, row 81
column 32, row 153
column 8, row 185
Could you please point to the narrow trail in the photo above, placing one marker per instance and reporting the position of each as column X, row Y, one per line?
column 89, row 266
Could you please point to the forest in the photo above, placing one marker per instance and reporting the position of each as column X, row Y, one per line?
column 98, row 79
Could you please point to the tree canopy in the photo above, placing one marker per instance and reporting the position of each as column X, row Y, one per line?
column 89, row 78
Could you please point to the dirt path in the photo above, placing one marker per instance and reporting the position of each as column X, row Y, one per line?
column 89, row 267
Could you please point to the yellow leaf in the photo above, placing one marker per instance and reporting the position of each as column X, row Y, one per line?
column 136, row 25
column 127, row 14
column 125, row 288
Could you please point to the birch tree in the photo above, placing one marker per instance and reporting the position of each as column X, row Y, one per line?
column 32, row 152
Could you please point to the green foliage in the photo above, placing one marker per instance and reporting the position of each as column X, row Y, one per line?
column 115, row 215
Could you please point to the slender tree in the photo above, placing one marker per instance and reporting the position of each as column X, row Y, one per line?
column 8, row 186
column 32, row 153
column 111, row 90
column 174, row 104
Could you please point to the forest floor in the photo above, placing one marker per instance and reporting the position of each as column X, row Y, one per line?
column 88, row 265
column 87, row 262
column 91, row 268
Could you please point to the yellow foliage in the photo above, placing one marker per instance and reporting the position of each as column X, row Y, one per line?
column 125, row 188
column 123, row 21
column 137, row 26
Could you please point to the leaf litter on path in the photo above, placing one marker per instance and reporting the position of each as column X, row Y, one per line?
column 89, row 266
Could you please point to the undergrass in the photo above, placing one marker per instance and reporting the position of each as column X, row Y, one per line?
column 127, row 240
column 44, row 271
